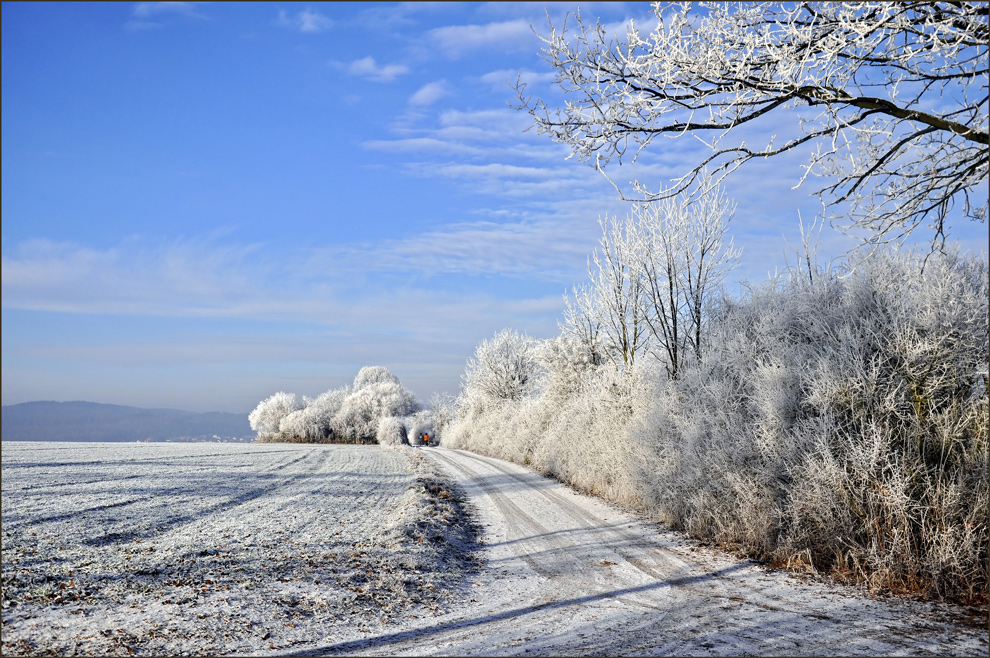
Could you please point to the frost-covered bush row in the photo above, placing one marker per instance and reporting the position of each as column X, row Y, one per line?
column 373, row 408
column 836, row 421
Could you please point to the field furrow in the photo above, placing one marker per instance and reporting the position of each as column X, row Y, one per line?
column 196, row 548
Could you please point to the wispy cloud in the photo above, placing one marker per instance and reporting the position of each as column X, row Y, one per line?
column 307, row 21
column 292, row 315
column 421, row 145
column 547, row 249
column 503, row 78
column 455, row 40
column 154, row 15
column 150, row 9
column 397, row 17
column 204, row 278
column 497, row 134
column 368, row 68
column 135, row 275
column 429, row 93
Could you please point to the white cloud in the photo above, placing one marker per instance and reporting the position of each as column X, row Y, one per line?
column 546, row 249
column 429, row 93
column 44, row 275
column 457, row 39
column 496, row 134
column 499, row 170
column 368, row 68
column 203, row 278
column 385, row 318
column 307, row 21
column 152, row 15
column 420, row 145
column 149, row 9
column 500, row 123
column 544, row 187
column 504, row 78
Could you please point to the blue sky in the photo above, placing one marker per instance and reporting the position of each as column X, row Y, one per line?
column 205, row 203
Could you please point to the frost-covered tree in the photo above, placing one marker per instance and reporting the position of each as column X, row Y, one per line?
column 889, row 97
column 315, row 421
column 583, row 322
column 568, row 364
column 392, row 432
column 363, row 409
column 369, row 375
column 443, row 410
column 267, row 416
column 504, row 367
column 651, row 279
column 679, row 249
column 343, row 414
column 613, row 302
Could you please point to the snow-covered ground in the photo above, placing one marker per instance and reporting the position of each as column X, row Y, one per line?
column 219, row 548
column 314, row 550
column 568, row 574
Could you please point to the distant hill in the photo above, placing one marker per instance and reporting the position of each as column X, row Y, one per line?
column 90, row 421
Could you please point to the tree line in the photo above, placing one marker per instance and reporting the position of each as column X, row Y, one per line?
column 375, row 408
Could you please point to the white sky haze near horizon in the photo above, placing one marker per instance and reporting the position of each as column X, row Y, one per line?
column 206, row 203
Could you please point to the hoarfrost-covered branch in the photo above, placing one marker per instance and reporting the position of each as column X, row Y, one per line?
column 891, row 97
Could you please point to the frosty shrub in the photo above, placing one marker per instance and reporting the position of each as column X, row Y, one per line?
column 840, row 423
column 503, row 368
column 362, row 410
column 315, row 421
column 391, row 432
column 443, row 408
column 568, row 365
column 268, row 415
column 342, row 415
column 571, row 428
column 502, row 376
column 583, row 436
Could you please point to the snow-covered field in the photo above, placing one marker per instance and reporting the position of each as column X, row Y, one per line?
column 219, row 548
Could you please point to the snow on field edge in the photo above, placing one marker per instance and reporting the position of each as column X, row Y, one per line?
column 223, row 549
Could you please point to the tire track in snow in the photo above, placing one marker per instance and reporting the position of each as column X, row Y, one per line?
column 524, row 529
column 692, row 585
column 544, row 591
column 632, row 547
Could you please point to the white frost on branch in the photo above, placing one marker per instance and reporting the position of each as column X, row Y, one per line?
column 651, row 280
column 891, row 99
column 268, row 415
column 503, row 368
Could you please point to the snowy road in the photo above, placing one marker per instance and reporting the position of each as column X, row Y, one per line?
column 570, row 575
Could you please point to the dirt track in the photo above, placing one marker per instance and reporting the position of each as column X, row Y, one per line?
column 569, row 574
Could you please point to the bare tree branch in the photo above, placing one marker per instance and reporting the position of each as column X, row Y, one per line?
column 894, row 96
